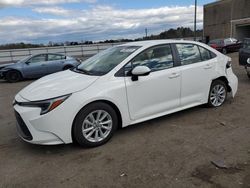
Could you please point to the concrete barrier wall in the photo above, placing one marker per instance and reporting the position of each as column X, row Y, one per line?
column 14, row 55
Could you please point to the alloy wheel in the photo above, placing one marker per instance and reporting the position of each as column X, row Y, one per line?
column 97, row 126
column 218, row 95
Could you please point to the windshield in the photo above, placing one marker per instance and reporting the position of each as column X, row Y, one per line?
column 105, row 61
column 24, row 59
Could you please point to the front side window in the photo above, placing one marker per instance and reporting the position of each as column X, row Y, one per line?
column 105, row 61
column 188, row 53
column 155, row 58
column 38, row 58
column 55, row 57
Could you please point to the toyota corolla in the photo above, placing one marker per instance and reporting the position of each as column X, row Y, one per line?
column 121, row 86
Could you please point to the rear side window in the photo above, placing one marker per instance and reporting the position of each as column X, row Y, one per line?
column 188, row 53
column 54, row 57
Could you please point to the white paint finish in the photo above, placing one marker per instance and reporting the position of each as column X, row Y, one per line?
column 157, row 94
column 195, row 82
column 57, row 84
column 140, row 70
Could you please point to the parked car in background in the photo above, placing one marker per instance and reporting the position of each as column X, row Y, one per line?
column 36, row 66
column 121, row 86
column 244, row 55
column 226, row 45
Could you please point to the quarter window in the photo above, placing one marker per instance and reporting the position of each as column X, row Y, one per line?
column 188, row 53
column 205, row 54
column 156, row 58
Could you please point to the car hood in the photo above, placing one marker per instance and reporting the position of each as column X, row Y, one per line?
column 58, row 84
column 6, row 65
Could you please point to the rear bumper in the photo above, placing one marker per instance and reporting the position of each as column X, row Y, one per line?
column 232, row 81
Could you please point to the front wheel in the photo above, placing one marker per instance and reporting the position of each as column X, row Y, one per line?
column 13, row 76
column 217, row 94
column 95, row 124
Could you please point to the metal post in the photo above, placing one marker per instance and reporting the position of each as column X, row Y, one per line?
column 195, row 15
column 11, row 56
column 146, row 32
column 82, row 51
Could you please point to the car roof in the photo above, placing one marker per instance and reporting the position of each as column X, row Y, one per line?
column 50, row 53
column 149, row 43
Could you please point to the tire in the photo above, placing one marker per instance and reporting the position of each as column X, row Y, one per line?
column 89, row 132
column 217, row 94
column 13, row 76
column 67, row 67
column 224, row 51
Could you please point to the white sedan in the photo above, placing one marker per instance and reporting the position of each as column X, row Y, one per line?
column 121, row 86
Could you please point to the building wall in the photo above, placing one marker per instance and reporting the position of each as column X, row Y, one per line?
column 221, row 18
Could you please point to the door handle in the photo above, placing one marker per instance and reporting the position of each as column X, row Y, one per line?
column 208, row 66
column 42, row 64
column 174, row 75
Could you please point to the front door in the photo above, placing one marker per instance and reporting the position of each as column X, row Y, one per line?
column 158, row 92
column 35, row 67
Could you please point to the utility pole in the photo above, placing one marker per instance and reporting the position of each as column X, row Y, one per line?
column 146, row 32
column 195, row 15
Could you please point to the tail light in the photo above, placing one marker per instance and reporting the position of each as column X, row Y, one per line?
column 229, row 64
column 214, row 46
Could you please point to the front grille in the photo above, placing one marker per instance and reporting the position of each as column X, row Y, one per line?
column 22, row 128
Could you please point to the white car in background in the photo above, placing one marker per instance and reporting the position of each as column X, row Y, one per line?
column 123, row 85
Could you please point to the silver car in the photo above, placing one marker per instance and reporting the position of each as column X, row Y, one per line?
column 36, row 66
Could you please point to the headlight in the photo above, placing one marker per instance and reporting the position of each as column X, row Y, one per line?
column 45, row 105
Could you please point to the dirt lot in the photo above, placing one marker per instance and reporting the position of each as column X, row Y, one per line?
column 172, row 151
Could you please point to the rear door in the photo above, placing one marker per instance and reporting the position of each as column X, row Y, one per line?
column 197, row 66
column 35, row 67
column 55, row 63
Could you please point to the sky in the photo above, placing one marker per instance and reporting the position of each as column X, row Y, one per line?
column 41, row 21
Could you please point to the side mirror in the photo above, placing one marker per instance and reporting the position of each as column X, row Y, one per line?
column 27, row 62
column 140, row 71
column 248, row 61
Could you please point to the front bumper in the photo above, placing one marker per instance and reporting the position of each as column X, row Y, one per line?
column 31, row 133
column 49, row 129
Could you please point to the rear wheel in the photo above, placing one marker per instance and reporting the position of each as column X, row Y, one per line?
column 13, row 76
column 218, row 94
column 95, row 124
column 224, row 51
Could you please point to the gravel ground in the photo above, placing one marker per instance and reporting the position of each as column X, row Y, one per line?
column 171, row 151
